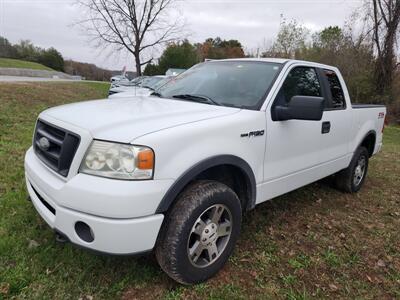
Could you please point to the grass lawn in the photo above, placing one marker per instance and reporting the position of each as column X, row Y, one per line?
column 17, row 63
column 312, row 243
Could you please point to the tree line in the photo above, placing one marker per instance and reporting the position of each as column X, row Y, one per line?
column 25, row 50
column 87, row 71
column 52, row 58
column 183, row 54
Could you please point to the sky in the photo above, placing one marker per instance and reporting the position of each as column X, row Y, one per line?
column 49, row 23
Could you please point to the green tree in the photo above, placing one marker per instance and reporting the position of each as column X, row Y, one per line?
column 151, row 70
column 52, row 59
column 327, row 46
column 27, row 51
column 180, row 55
column 6, row 49
column 184, row 55
column 353, row 55
column 331, row 38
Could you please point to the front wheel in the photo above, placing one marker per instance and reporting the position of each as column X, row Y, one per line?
column 200, row 232
column 351, row 179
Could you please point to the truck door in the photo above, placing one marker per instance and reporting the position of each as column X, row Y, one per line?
column 293, row 145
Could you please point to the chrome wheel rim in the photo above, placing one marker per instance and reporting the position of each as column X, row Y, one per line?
column 359, row 170
column 209, row 236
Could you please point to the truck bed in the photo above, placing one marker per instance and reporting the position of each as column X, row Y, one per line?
column 368, row 117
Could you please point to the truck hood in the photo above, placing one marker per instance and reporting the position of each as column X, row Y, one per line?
column 125, row 119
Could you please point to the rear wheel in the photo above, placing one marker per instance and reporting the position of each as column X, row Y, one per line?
column 200, row 232
column 351, row 179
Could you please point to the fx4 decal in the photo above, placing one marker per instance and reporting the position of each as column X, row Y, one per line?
column 253, row 133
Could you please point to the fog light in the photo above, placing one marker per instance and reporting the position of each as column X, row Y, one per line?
column 84, row 231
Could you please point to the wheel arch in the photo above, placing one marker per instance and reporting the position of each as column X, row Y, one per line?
column 233, row 163
column 368, row 142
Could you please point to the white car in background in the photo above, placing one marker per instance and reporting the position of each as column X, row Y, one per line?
column 118, row 87
column 119, row 79
column 145, row 88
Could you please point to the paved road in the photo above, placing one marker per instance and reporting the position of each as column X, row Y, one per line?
column 31, row 79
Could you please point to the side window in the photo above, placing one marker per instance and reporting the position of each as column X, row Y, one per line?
column 301, row 81
column 338, row 100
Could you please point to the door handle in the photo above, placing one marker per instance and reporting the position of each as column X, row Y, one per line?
column 326, row 127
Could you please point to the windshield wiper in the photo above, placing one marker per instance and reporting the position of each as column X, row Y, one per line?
column 157, row 94
column 197, row 98
column 148, row 87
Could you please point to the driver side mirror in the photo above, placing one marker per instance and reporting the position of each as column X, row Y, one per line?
column 300, row 108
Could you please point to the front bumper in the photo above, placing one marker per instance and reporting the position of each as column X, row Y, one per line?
column 120, row 214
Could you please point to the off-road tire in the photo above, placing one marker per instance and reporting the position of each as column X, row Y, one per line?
column 171, row 248
column 344, row 180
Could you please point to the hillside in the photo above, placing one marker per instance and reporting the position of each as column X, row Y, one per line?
column 21, row 64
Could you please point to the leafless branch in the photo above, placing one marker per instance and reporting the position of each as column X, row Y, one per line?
column 131, row 25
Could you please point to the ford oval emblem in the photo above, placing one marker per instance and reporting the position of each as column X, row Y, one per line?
column 44, row 143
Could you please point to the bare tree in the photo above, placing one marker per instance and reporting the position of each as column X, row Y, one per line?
column 385, row 17
column 136, row 26
column 290, row 40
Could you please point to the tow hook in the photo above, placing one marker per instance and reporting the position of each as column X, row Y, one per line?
column 61, row 238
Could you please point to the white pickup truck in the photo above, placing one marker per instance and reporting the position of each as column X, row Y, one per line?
column 175, row 171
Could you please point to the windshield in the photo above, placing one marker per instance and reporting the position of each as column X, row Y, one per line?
column 230, row 83
column 162, row 82
column 151, row 82
column 138, row 80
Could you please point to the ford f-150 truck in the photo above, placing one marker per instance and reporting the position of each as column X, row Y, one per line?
column 175, row 171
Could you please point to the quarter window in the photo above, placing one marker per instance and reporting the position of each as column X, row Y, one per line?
column 338, row 99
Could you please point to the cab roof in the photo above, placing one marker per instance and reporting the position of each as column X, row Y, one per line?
column 278, row 61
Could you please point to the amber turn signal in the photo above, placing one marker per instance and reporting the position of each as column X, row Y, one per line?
column 145, row 160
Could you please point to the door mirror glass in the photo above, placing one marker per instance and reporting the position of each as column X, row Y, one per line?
column 300, row 108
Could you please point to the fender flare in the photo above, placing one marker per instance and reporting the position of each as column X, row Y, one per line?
column 370, row 132
column 203, row 165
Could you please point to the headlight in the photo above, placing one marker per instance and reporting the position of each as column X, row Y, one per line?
column 119, row 161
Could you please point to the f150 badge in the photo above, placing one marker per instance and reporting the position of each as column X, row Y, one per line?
column 253, row 133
